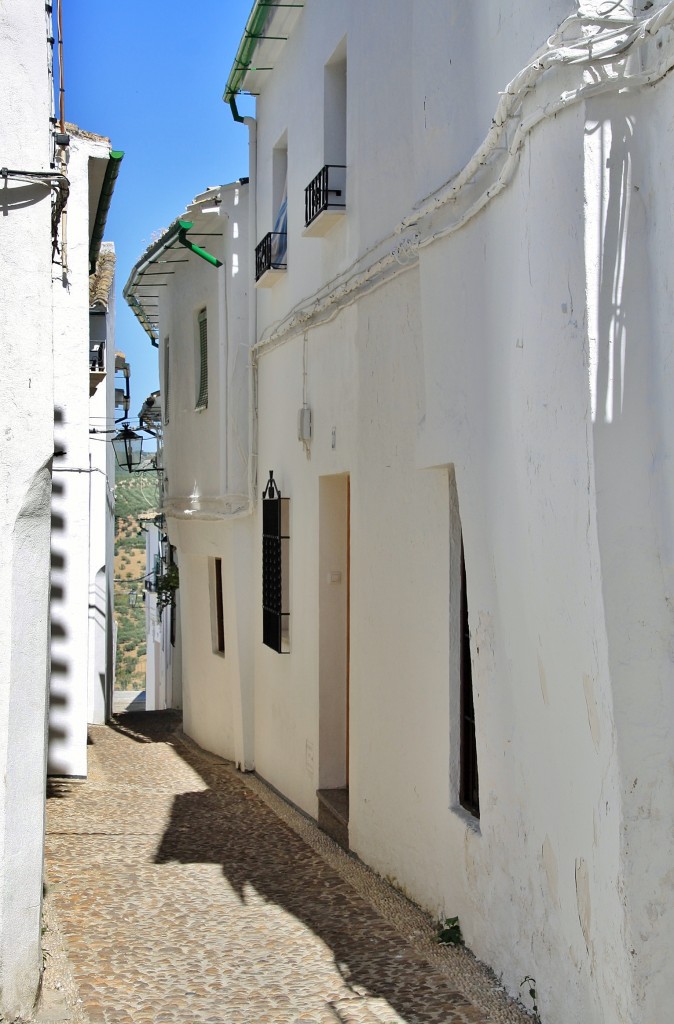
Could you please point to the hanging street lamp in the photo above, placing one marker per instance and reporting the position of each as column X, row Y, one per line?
column 128, row 447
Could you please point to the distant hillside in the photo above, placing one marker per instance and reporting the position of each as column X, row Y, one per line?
column 134, row 493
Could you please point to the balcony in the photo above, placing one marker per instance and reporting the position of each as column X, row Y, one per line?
column 271, row 259
column 324, row 200
column 96, row 365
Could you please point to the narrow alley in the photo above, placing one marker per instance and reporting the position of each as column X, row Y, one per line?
column 182, row 891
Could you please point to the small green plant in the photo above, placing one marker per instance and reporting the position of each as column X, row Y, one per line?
column 533, row 995
column 167, row 584
column 449, row 932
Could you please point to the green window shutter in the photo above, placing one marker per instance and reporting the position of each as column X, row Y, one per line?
column 202, row 394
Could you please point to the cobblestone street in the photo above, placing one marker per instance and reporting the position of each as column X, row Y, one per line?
column 184, row 892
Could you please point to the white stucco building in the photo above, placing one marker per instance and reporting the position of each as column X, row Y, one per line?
column 103, row 363
column 26, row 425
column 83, row 494
column 452, row 636
column 478, row 317
column 53, row 197
column 190, row 291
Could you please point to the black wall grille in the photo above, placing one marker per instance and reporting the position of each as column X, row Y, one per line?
column 219, row 608
column 167, row 379
column 202, row 394
column 275, row 566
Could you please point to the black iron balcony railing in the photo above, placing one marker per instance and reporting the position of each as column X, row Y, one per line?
column 97, row 357
column 325, row 192
column 270, row 254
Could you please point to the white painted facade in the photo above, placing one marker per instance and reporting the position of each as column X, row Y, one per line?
column 45, row 489
column 483, row 340
column 206, row 500
column 83, row 495
column 26, row 427
column 100, row 671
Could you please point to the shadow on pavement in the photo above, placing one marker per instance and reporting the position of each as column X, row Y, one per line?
column 230, row 826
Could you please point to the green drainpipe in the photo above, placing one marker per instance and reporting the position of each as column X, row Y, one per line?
column 235, row 110
column 185, row 226
column 108, row 187
column 251, row 36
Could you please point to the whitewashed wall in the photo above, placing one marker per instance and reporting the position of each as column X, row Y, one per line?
column 102, row 528
column 206, row 454
column 26, row 425
column 196, row 468
column 71, row 502
column 526, row 355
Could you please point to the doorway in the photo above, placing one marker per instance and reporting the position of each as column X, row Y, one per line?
column 334, row 648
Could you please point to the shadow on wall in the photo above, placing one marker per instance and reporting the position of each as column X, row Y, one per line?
column 18, row 197
column 261, row 856
column 59, row 665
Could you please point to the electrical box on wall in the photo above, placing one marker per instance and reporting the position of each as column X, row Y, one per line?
column 304, row 424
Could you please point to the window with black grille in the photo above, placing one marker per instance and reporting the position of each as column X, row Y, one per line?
column 167, row 380
column 173, row 611
column 202, row 365
column 469, row 795
column 275, row 568
column 217, row 607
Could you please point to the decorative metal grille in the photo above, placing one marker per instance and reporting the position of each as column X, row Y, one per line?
column 275, row 565
column 318, row 192
column 167, row 379
column 270, row 254
column 219, row 608
column 202, row 394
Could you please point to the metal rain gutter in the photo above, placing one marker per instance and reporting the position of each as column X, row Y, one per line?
column 252, row 35
column 108, row 187
column 177, row 232
column 185, row 226
column 150, row 255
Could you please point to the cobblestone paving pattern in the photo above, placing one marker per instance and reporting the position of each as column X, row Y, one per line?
column 188, row 893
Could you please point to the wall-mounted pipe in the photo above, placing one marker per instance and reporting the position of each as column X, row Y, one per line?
column 251, row 124
column 185, row 226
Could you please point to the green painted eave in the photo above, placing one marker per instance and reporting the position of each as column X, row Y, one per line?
column 177, row 232
column 111, row 171
column 252, row 35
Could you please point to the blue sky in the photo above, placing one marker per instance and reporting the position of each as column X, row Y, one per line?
column 150, row 75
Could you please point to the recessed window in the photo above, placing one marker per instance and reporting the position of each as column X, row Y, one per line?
column 469, row 794
column 167, row 379
column 279, row 241
column 463, row 772
column 334, row 113
column 217, row 606
column 202, row 360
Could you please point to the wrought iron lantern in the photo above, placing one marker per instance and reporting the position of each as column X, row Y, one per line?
column 128, row 447
column 275, row 568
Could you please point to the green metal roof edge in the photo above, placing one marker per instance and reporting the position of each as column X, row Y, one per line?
column 176, row 232
column 108, row 187
column 244, row 55
column 162, row 242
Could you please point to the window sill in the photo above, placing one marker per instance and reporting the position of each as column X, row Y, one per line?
column 324, row 222
column 269, row 278
column 469, row 820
